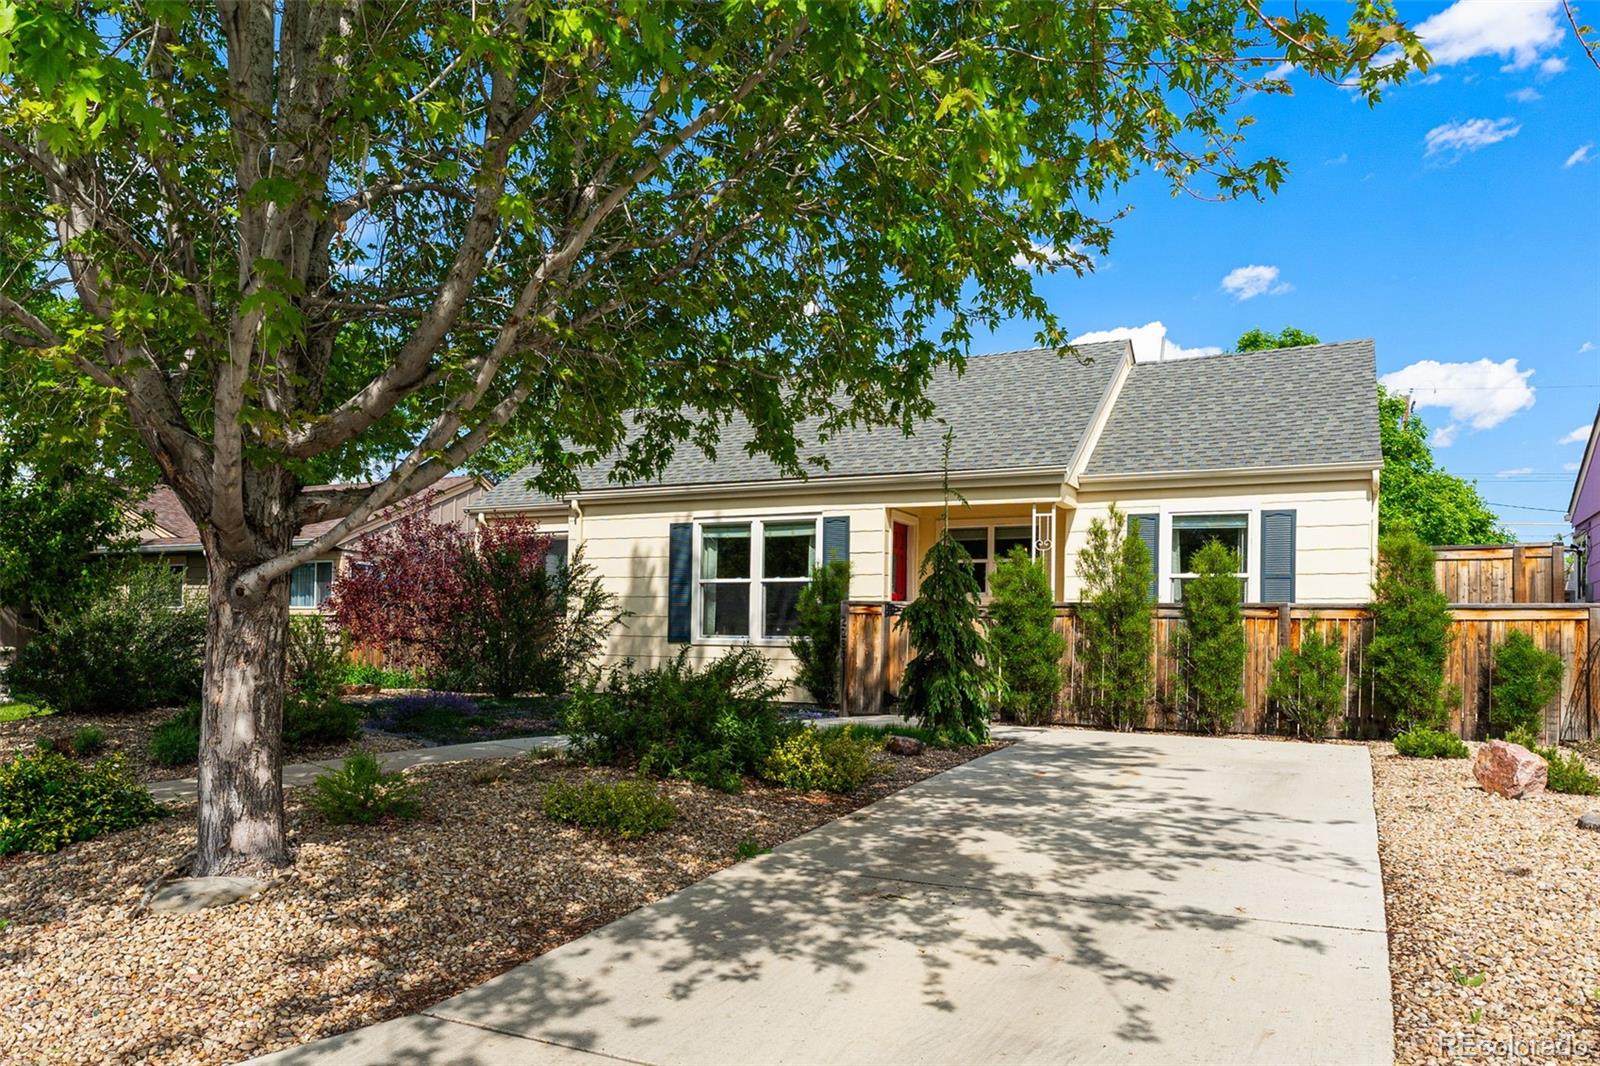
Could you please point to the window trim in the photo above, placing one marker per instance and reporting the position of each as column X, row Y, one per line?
column 757, row 579
column 1166, row 576
column 991, row 525
column 333, row 574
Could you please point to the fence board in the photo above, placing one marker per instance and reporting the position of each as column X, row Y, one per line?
column 1501, row 573
column 876, row 650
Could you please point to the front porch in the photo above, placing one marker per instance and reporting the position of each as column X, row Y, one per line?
column 988, row 532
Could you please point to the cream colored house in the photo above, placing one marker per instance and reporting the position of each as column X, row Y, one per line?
column 1275, row 452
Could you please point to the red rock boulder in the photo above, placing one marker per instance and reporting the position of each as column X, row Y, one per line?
column 1509, row 770
column 902, row 745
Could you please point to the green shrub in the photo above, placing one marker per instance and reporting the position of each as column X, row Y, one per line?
column 834, row 759
column 308, row 722
column 1211, row 645
column 710, row 725
column 314, row 720
column 1411, row 635
column 816, row 637
column 317, row 656
column 361, row 793
column 1115, row 638
column 1420, row 742
column 176, row 742
column 629, row 809
column 369, row 674
column 1524, row 680
column 1307, row 683
column 47, row 801
column 1027, row 646
column 132, row 645
column 1565, row 771
column 951, row 679
column 90, row 740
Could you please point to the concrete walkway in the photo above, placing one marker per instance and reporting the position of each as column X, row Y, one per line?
column 306, row 772
column 1078, row 897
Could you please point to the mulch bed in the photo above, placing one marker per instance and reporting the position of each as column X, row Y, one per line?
column 369, row 924
column 1479, row 885
column 129, row 734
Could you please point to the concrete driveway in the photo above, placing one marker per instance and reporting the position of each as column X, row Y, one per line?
column 1078, row 897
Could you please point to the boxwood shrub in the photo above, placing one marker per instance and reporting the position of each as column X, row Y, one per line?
column 48, row 801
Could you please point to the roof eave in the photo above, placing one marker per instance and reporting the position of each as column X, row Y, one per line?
column 1251, row 473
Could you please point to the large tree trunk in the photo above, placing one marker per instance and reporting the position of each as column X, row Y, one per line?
column 241, row 727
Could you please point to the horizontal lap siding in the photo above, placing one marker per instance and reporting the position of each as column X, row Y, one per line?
column 1335, row 530
column 628, row 549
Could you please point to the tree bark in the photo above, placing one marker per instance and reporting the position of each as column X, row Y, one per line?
column 241, row 725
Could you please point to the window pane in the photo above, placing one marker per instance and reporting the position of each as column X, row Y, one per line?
column 324, row 583
column 303, row 586
column 725, row 610
column 788, row 549
column 976, row 541
column 1008, row 537
column 779, row 600
column 1178, row 584
column 981, row 572
column 1190, row 533
column 555, row 558
column 725, row 551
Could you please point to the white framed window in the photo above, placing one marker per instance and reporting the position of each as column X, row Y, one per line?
column 748, row 576
column 310, row 583
column 989, row 544
column 1191, row 532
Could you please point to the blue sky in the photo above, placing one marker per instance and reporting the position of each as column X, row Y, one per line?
column 1456, row 224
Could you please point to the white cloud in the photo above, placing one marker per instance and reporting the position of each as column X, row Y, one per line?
column 1337, row 161
column 1481, row 394
column 1444, row 436
column 1577, row 436
column 1570, row 467
column 1525, row 95
column 1469, row 136
column 1516, row 471
column 1248, row 282
column 1580, row 155
column 1552, row 66
column 1586, row 346
column 1433, row 79
column 1047, row 257
column 1150, row 342
column 1519, row 31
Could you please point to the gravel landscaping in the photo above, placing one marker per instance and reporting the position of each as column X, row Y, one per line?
column 369, row 924
column 130, row 735
column 1494, row 916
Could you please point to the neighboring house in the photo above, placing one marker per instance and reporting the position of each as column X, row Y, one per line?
column 1274, row 452
column 1583, row 511
column 172, row 539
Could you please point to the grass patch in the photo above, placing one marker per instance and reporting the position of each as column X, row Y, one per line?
column 16, row 711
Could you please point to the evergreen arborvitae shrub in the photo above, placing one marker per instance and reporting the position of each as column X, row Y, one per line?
column 1027, row 646
column 1524, row 681
column 1212, row 642
column 1411, row 635
column 816, row 638
column 1307, row 683
column 950, row 679
column 1114, row 622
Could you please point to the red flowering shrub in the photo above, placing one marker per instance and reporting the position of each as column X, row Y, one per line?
column 474, row 610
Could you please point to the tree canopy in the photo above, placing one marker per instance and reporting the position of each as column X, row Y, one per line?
column 294, row 241
column 1415, row 494
column 1260, row 340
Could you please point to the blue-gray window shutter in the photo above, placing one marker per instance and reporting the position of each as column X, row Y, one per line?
column 680, row 582
column 1147, row 527
column 1277, row 556
column 836, row 538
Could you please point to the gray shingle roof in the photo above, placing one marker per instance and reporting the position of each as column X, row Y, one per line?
column 1011, row 410
column 1309, row 406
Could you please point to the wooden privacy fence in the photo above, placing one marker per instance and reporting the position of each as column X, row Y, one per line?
column 1501, row 573
column 875, row 652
